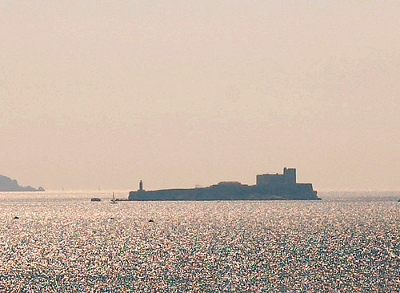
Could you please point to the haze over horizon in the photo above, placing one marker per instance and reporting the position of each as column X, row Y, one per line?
column 185, row 93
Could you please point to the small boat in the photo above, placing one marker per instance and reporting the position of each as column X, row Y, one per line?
column 95, row 199
column 113, row 201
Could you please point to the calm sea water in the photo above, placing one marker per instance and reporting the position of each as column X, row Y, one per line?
column 62, row 242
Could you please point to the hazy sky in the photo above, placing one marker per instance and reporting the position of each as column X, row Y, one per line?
column 185, row 93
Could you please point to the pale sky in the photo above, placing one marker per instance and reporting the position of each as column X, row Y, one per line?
column 185, row 93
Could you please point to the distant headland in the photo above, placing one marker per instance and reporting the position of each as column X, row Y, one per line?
column 268, row 187
column 8, row 184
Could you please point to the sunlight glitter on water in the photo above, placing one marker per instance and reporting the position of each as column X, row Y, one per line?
column 74, row 245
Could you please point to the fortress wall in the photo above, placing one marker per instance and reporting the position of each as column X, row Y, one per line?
column 304, row 186
column 287, row 178
column 268, row 179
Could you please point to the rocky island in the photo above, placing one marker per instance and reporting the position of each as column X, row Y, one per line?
column 8, row 184
column 268, row 187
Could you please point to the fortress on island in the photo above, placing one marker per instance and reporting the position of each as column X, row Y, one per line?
column 268, row 187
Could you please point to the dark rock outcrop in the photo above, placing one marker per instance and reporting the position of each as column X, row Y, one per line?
column 8, row 184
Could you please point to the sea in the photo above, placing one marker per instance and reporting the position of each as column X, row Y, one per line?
column 63, row 242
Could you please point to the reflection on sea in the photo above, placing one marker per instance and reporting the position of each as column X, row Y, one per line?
column 65, row 243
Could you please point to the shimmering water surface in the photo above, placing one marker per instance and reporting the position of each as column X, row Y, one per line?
column 62, row 242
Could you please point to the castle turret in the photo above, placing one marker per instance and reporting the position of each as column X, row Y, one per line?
column 290, row 175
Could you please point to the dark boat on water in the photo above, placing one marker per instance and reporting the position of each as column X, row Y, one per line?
column 95, row 199
column 268, row 187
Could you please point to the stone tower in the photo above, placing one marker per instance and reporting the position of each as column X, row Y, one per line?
column 290, row 175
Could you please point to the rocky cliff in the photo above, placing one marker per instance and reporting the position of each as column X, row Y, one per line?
column 8, row 184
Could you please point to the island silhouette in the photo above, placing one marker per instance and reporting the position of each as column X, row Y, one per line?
column 268, row 187
column 8, row 184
